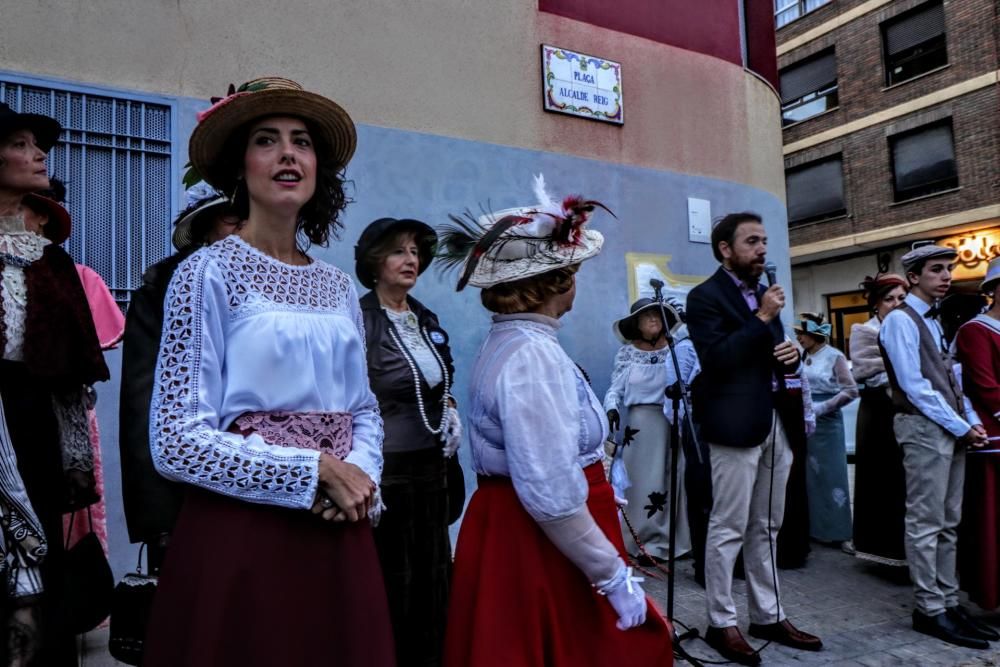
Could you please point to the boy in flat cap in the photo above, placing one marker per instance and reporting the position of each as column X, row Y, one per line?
column 933, row 428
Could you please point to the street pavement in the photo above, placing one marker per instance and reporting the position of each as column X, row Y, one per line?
column 861, row 611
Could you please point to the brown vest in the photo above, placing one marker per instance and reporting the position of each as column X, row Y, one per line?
column 935, row 365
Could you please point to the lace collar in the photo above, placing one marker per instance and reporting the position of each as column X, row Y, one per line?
column 528, row 322
column 17, row 243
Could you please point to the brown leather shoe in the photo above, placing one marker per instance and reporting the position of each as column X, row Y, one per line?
column 731, row 645
column 787, row 634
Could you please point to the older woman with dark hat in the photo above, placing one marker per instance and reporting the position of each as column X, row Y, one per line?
column 540, row 576
column 411, row 372
column 832, row 387
column 151, row 503
column 49, row 354
column 879, row 481
column 978, row 350
column 643, row 370
column 261, row 407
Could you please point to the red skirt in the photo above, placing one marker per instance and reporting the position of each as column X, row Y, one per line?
column 247, row 585
column 516, row 600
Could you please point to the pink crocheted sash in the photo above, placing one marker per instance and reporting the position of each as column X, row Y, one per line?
column 328, row 432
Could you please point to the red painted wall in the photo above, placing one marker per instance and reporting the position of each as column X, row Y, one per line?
column 711, row 27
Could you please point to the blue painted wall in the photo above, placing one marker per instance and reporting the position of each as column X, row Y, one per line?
column 405, row 174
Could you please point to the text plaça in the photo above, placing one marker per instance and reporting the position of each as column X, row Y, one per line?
column 582, row 96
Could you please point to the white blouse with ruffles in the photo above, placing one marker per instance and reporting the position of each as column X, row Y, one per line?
column 244, row 332
column 533, row 417
column 640, row 377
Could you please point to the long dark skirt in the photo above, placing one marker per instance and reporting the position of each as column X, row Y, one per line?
column 415, row 552
column 34, row 434
column 879, row 483
column 979, row 532
column 247, row 585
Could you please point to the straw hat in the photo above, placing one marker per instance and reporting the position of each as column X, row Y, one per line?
column 522, row 242
column 259, row 98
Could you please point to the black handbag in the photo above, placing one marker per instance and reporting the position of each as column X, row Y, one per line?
column 456, row 488
column 88, row 581
column 130, row 608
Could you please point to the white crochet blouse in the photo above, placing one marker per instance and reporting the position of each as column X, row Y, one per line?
column 244, row 332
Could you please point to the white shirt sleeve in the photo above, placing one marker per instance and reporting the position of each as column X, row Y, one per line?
column 366, row 448
column 186, row 437
column 538, row 410
column 901, row 339
column 619, row 375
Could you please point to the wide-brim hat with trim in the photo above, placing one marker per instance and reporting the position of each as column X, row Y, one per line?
column 202, row 200
column 627, row 328
column 45, row 129
column 992, row 278
column 59, row 226
column 521, row 242
column 260, row 98
column 809, row 325
column 426, row 239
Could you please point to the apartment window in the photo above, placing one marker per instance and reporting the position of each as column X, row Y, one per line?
column 786, row 11
column 923, row 161
column 809, row 88
column 815, row 191
column 914, row 43
column 114, row 154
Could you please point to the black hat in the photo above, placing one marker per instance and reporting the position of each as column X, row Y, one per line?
column 45, row 129
column 377, row 230
column 627, row 328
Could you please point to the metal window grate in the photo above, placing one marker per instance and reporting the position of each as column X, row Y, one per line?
column 114, row 155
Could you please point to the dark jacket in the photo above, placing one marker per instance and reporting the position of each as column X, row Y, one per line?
column 733, row 401
column 151, row 502
column 392, row 379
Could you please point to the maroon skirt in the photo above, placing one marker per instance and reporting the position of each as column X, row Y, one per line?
column 516, row 600
column 247, row 585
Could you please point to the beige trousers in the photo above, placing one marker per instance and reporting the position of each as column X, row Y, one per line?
column 744, row 489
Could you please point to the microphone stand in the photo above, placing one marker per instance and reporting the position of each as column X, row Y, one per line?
column 677, row 393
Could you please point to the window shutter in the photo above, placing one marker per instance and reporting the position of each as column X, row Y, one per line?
column 114, row 155
column 807, row 77
column 914, row 29
column 815, row 190
column 925, row 157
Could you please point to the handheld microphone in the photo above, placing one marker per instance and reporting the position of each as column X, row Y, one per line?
column 655, row 284
column 771, row 269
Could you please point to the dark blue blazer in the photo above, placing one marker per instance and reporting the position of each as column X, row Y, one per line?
column 732, row 398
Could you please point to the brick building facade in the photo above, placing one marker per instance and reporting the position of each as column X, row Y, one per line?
column 892, row 136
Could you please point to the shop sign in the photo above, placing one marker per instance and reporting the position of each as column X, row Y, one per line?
column 975, row 250
column 582, row 85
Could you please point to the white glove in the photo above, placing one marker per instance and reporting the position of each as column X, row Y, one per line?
column 628, row 599
column 452, row 433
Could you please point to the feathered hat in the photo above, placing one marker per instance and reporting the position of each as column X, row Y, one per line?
column 520, row 242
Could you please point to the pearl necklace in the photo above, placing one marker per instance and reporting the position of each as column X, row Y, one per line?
column 416, row 380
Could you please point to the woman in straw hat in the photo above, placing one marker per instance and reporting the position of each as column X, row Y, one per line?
column 978, row 344
column 879, row 480
column 540, row 576
column 643, row 369
column 831, row 387
column 49, row 354
column 261, row 406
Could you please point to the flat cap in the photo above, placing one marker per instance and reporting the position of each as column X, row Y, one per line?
column 926, row 252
